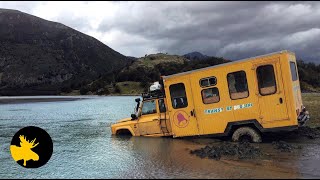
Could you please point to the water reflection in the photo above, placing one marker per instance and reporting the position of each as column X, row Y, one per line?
column 170, row 158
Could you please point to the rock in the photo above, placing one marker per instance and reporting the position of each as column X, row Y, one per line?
column 283, row 146
column 242, row 151
column 89, row 93
column 311, row 133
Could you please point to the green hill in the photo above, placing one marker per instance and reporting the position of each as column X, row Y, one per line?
column 150, row 61
column 309, row 75
column 139, row 74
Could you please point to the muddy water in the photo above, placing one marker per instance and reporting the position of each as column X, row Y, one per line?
column 84, row 147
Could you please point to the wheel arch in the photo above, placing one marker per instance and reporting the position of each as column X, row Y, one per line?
column 232, row 126
column 123, row 129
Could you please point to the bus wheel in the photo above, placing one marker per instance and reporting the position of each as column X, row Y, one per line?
column 246, row 134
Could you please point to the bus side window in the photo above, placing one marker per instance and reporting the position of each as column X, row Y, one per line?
column 238, row 86
column 178, row 96
column 210, row 95
column 266, row 80
column 162, row 106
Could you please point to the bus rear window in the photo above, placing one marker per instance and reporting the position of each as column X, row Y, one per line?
column 293, row 71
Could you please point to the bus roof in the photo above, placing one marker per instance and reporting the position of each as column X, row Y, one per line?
column 225, row 64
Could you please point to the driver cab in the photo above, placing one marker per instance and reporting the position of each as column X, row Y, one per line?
column 150, row 115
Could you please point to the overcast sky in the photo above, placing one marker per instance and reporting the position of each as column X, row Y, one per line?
column 233, row 30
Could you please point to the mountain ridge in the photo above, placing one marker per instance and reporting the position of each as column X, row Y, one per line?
column 41, row 57
column 195, row 55
column 48, row 57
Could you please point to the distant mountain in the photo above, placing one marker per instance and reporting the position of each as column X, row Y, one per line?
column 43, row 57
column 131, row 58
column 195, row 56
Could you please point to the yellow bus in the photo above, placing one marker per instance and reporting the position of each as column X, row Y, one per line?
column 240, row 99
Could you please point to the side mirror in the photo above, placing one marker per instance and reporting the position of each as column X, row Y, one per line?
column 133, row 116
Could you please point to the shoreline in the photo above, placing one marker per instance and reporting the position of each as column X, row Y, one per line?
column 56, row 98
column 63, row 96
column 31, row 100
column 49, row 98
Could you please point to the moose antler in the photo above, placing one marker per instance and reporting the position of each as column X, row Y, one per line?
column 32, row 142
column 27, row 144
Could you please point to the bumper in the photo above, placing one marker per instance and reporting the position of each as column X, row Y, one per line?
column 303, row 117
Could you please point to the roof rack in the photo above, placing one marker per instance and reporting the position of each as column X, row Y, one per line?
column 153, row 95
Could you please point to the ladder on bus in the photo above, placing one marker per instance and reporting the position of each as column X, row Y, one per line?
column 163, row 123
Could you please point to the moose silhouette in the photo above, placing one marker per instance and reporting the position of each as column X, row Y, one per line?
column 181, row 118
column 24, row 152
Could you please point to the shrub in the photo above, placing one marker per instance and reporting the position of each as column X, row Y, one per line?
column 66, row 89
column 117, row 89
column 84, row 90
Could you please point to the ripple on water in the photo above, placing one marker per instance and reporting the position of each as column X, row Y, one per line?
column 19, row 110
column 85, row 148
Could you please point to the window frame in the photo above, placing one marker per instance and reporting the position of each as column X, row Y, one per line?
column 165, row 107
column 275, row 80
column 295, row 70
column 149, row 113
column 171, row 98
column 208, row 81
column 246, row 81
column 210, row 88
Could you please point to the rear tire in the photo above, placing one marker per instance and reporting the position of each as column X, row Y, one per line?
column 246, row 133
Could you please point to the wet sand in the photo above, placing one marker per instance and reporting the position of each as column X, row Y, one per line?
column 271, row 164
column 280, row 155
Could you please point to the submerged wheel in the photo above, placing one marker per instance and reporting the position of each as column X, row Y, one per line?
column 123, row 132
column 246, row 134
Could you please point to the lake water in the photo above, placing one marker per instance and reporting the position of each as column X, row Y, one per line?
column 83, row 147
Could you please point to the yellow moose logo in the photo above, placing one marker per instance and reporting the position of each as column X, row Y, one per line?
column 24, row 152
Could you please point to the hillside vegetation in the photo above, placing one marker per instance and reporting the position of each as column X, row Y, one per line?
column 148, row 69
column 40, row 57
column 44, row 57
column 309, row 74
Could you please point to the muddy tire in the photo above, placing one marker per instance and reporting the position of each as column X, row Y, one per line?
column 247, row 133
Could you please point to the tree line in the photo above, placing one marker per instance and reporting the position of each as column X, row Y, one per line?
column 309, row 74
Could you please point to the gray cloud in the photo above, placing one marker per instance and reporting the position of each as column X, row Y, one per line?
column 233, row 30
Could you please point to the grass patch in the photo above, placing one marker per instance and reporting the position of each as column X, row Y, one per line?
column 130, row 87
column 72, row 93
column 153, row 59
column 312, row 102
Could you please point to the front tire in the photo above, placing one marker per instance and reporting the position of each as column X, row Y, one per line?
column 246, row 133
